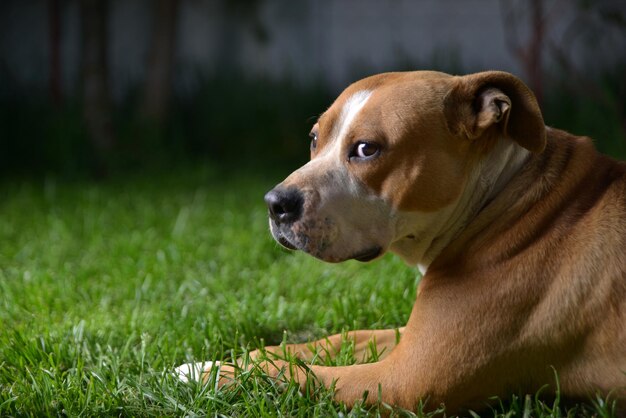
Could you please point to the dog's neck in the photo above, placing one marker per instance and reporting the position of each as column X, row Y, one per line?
column 431, row 233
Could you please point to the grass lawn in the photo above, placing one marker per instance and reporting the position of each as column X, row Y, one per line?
column 105, row 288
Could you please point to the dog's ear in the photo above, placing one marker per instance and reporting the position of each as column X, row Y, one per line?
column 494, row 98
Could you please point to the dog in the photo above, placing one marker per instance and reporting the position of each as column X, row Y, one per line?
column 519, row 231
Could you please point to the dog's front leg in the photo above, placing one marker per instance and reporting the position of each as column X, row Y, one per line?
column 391, row 381
column 366, row 345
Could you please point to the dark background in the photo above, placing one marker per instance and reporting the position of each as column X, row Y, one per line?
column 96, row 89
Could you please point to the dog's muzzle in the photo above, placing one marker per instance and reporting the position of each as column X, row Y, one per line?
column 298, row 222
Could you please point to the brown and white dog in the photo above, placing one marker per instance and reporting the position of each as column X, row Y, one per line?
column 519, row 231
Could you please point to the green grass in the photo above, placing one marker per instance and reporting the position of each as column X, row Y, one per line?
column 105, row 288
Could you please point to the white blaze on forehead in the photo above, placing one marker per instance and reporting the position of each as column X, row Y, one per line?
column 350, row 110
column 332, row 158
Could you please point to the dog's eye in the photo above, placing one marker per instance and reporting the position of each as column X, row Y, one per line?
column 313, row 137
column 364, row 150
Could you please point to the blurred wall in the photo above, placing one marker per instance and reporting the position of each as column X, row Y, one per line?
column 329, row 40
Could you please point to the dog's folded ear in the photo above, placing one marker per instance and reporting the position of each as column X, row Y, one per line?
column 480, row 101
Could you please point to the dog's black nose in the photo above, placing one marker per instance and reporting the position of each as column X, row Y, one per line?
column 285, row 204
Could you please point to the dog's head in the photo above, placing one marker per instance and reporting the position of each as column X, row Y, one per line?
column 391, row 154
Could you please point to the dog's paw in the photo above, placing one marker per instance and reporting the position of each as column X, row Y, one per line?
column 195, row 372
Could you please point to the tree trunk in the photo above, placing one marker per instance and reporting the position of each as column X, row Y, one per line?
column 529, row 52
column 54, row 28
column 158, row 85
column 534, row 52
column 96, row 97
